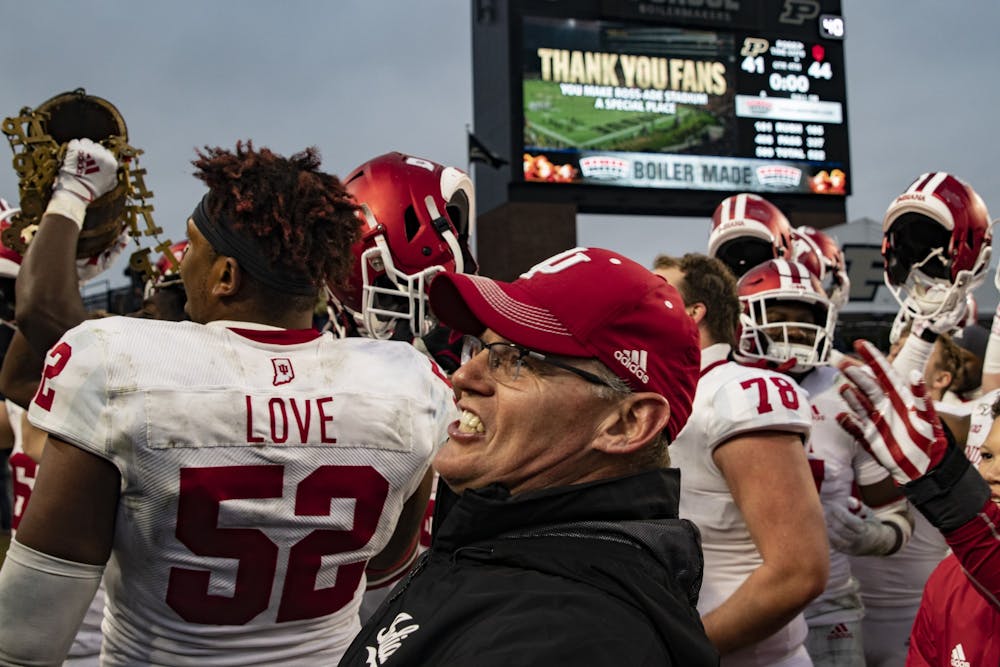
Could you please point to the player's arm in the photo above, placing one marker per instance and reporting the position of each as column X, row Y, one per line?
column 6, row 431
column 48, row 290
column 33, row 439
column 399, row 554
column 958, row 425
column 770, row 480
column 991, row 358
column 895, row 422
column 20, row 372
column 54, row 565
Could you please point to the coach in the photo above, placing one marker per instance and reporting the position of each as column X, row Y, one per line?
column 558, row 542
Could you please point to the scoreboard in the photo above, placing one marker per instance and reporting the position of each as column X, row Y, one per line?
column 664, row 106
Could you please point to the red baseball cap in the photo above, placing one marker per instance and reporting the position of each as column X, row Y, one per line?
column 590, row 303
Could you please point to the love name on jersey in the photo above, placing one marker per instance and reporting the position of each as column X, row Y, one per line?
column 284, row 418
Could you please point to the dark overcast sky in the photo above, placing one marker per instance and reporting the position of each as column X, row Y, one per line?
column 358, row 78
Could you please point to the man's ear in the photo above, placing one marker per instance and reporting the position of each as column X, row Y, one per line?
column 637, row 421
column 943, row 380
column 227, row 276
column 697, row 311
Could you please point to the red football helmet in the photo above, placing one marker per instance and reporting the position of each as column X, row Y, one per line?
column 167, row 268
column 10, row 265
column 416, row 217
column 821, row 254
column 799, row 325
column 10, row 259
column 936, row 243
column 748, row 230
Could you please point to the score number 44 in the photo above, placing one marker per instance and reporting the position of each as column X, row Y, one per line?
column 817, row 69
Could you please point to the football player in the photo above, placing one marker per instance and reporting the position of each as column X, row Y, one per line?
column 242, row 468
column 787, row 323
column 747, row 485
column 163, row 294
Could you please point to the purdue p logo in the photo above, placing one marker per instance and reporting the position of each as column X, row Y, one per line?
column 797, row 11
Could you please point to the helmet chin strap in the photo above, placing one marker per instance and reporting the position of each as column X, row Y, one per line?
column 937, row 252
column 445, row 230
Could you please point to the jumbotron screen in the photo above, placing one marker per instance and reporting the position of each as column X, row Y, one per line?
column 636, row 104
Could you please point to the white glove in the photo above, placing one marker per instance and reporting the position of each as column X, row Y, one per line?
column 854, row 530
column 946, row 322
column 88, row 171
column 91, row 267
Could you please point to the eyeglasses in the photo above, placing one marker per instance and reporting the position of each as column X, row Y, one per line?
column 506, row 359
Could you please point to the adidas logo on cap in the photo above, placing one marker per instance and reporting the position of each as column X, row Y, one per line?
column 635, row 362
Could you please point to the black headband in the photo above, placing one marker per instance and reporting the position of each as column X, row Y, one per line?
column 247, row 252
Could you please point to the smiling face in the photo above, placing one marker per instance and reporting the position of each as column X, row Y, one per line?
column 792, row 312
column 989, row 465
column 530, row 433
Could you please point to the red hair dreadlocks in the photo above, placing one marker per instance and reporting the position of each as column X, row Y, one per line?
column 300, row 216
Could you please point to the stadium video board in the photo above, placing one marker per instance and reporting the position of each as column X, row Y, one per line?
column 685, row 96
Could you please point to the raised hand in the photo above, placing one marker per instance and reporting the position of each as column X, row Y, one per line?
column 892, row 419
column 88, row 171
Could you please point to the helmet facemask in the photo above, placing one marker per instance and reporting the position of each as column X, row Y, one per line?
column 780, row 340
column 416, row 219
column 919, row 271
column 390, row 296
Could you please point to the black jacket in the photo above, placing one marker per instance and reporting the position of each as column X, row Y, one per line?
column 593, row 574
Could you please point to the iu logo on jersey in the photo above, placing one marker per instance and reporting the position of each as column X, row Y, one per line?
column 283, row 371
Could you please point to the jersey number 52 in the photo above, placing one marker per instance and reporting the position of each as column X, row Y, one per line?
column 201, row 492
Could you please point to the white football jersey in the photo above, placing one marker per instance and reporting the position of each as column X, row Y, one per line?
column 838, row 462
column 733, row 400
column 260, row 470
